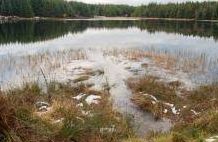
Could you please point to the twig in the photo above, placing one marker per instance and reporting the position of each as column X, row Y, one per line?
column 46, row 82
column 107, row 87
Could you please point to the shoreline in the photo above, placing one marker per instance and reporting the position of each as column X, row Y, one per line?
column 100, row 18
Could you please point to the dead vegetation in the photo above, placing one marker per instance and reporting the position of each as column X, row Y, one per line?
column 169, row 100
column 73, row 115
column 27, row 67
column 184, row 61
column 152, row 95
column 193, row 113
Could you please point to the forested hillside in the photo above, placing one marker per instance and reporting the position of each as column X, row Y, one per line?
column 190, row 10
column 61, row 8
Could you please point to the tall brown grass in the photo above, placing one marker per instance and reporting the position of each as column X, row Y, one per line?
column 65, row 121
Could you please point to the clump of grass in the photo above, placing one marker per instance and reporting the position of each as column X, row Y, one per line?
column 16, row 120
column 20, row 120
column 200, row 129
column 197, row 118
column 151, row 85
column 7, row 121
column 148, row 88
column 188, row 104
column 22, row 101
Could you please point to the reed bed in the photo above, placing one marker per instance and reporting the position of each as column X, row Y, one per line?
column 179, row 60
column 16, row 70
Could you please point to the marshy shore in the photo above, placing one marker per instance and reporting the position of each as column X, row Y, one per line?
column 154, row 86
column 107, row 95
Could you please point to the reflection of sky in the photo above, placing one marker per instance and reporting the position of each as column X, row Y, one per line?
column 111, row 38
column 117, row 38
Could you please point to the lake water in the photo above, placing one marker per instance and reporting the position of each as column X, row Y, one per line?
column 181, row 39
column 26, row 47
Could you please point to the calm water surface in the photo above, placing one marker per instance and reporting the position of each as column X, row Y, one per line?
column 19, row 40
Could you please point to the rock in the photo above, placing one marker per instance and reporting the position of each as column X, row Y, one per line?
column 174, row 111
column 153, row 102
column 39, row 104
column 92, row 99
column 59, row 121
column 165, row 111
column 79, row 97
column 42, row 106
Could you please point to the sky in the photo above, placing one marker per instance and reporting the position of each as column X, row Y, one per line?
column 135, row 2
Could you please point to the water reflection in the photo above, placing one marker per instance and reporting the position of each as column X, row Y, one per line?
column 33, row 31
column 27, row 45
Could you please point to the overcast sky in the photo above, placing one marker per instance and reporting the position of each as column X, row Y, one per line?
column 134, row 2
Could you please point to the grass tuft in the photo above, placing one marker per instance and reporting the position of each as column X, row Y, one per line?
column 64, row 120
column 196, row 117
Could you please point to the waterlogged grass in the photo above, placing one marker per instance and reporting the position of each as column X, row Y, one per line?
column 65, row 119
column 187, row 62
column 199, row 130
column 193, row 113
column 26, row 68
column 152, row 95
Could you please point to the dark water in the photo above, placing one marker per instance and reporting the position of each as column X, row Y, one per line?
column 35, row 31
column 23, row 39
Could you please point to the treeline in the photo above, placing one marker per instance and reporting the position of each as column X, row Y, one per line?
column 188, row 10
column 62, row 8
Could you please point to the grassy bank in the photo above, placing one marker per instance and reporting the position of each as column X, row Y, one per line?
column 193, row 113
column 62, row 114
column 202, row 129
